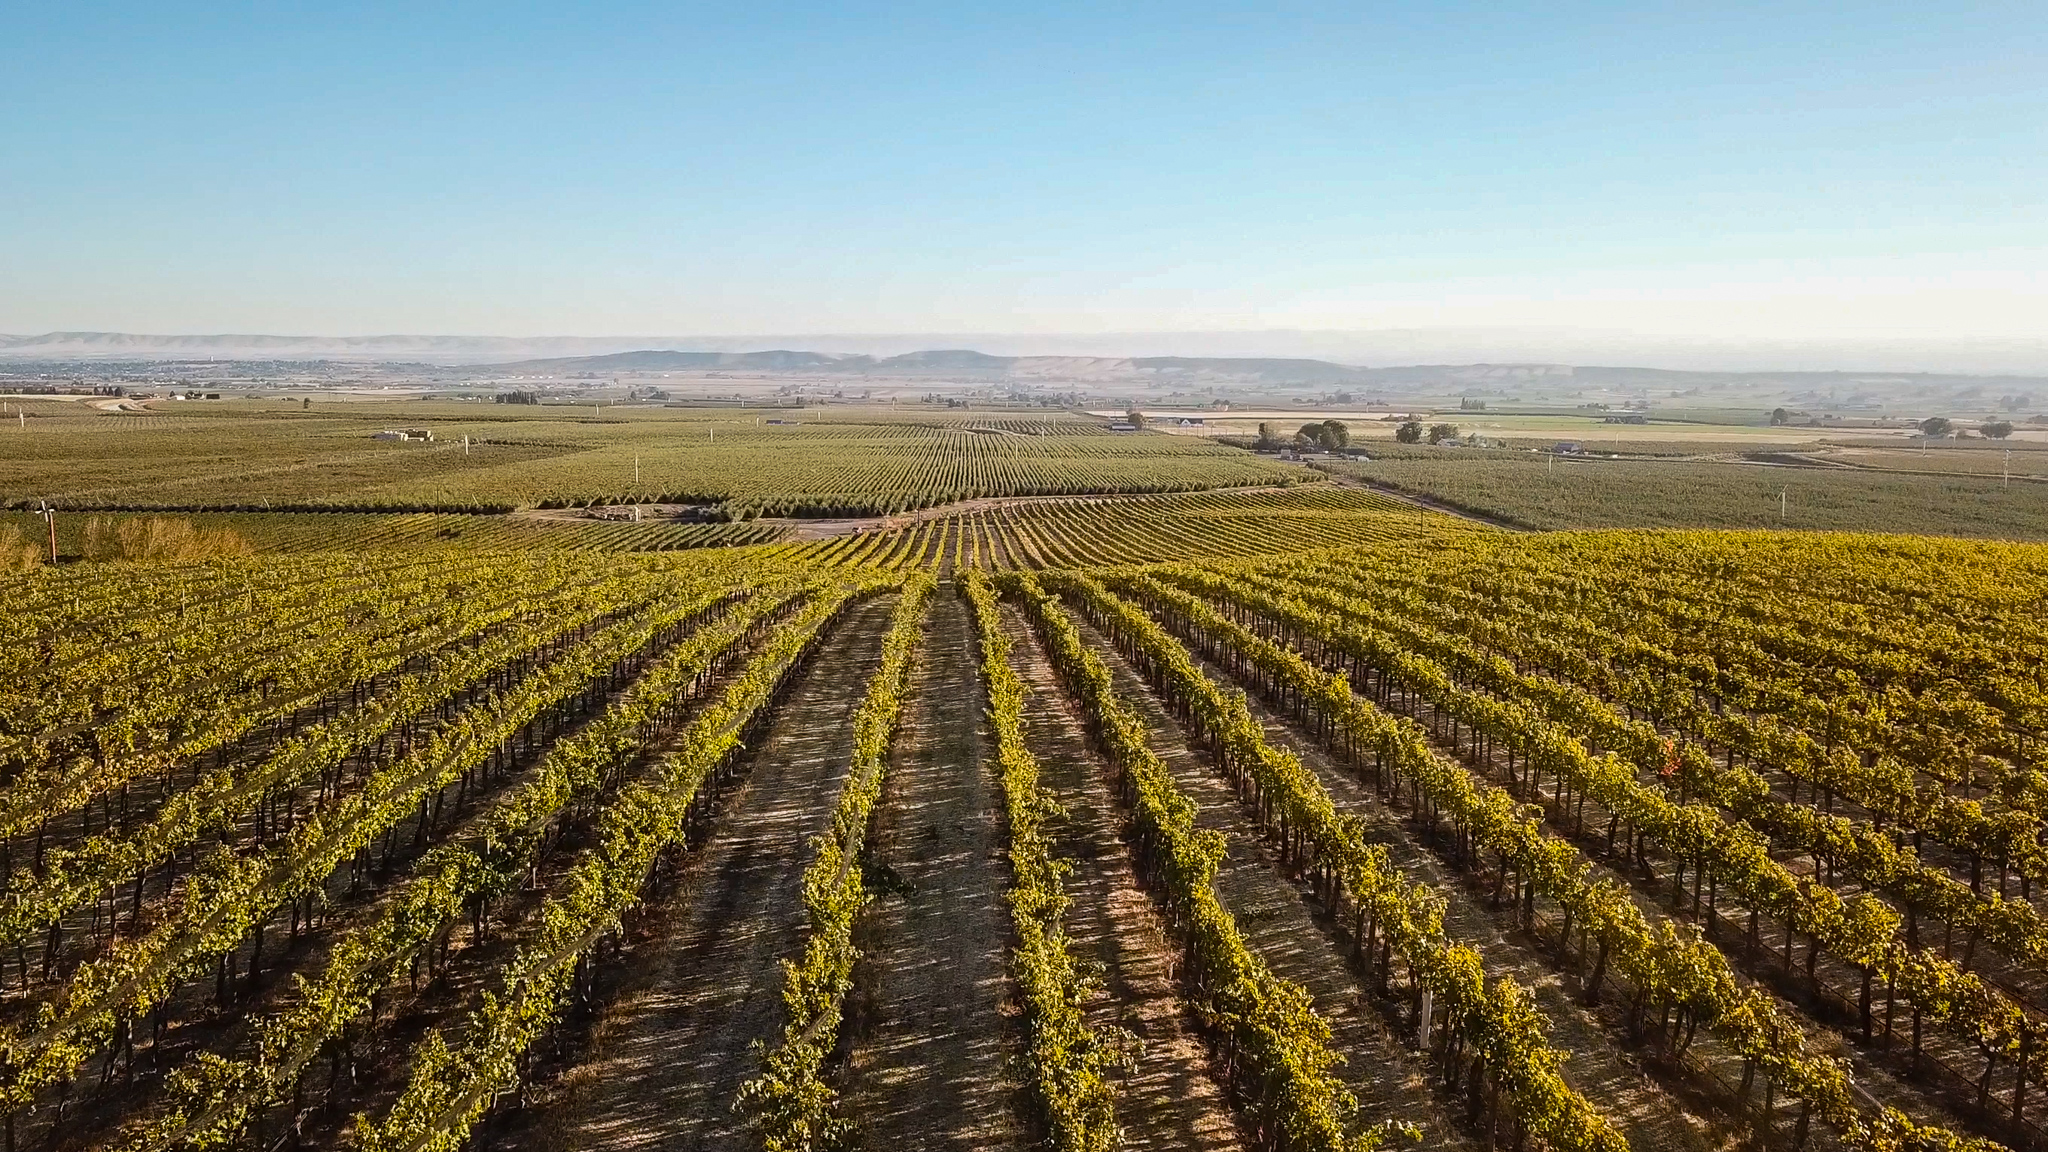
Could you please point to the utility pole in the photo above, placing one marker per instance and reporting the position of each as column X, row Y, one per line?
column 636, row 472
column 2008, row 467
column 1781, row 503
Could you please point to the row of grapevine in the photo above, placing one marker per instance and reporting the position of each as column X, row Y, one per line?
column 1885, row 690
column 214, row 690
column 1668, row 966
column 87, row 612
column 451, row 1087
column 231, row 895
column 1862, row 931
column 790, row 1104
column 1496, row 1019
column 1870, row 853
column 216, row 1098
column 1082, row 530
column 1273, row 1048
column 1068, row 1062
column 88, row 669
column 59, row 616
column 1890, row 611
column 1645, row 676
column 221, row 797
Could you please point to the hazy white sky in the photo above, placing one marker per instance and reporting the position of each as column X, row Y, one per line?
column 1774, row 170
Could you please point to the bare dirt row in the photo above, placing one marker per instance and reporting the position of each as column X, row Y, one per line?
column 928, row 1030
column 1168, row 1099
column 667, row 1054
column 1281, row 922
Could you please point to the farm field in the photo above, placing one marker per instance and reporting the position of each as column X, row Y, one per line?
column 1533, row 491
column 248, row 455
column 1014, row 838
column 1695, row 434
column 300, row 532
column 2023, row 457
column 988, row 532
column 1101, row 530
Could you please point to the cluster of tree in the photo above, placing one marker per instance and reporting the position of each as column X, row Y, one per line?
column 1326, row 435
column 1329, row 435
column 1943, row 426
column 1413, row 432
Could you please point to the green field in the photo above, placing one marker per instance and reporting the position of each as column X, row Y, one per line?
column 1706, row 431
column 288, row 532
column 253, row 455
column 1535, row 491
column 287, row 477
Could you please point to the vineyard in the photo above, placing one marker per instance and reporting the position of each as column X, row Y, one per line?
column 1037, row 824
column 1950, row 493
column 746, row 463
column 1089, row 531
column 305, row 532
column 1029, row 532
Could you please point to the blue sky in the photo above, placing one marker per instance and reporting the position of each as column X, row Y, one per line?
column 507, row 168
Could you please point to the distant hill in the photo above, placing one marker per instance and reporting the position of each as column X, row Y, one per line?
column 444, row 349
column 952, row 364
column 1479, row 379
column 1267, row 370
column 579, row 355
column 657, row 360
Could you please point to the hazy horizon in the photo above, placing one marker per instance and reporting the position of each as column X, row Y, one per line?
column 1380, row 348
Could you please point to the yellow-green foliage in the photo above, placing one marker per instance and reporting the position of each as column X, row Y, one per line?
column 792, row 1107
column 1070, row 1063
